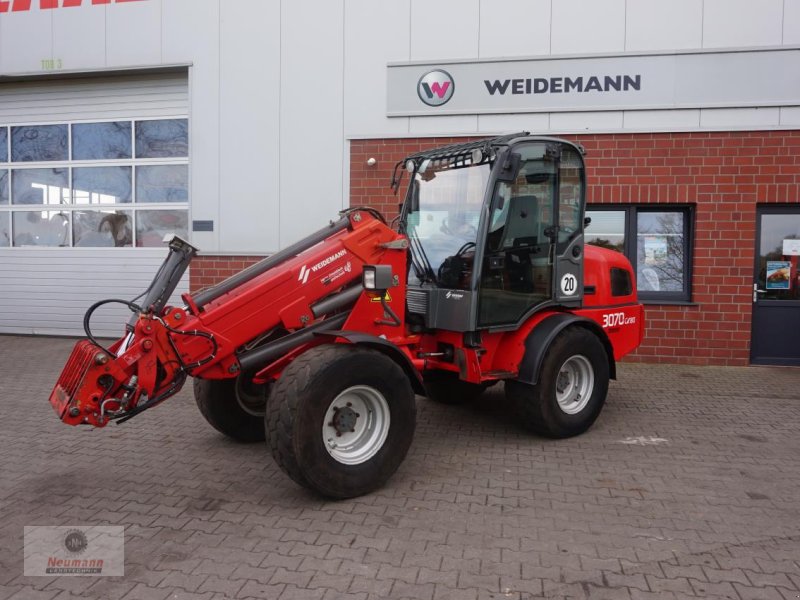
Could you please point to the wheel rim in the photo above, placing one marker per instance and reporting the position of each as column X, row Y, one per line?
column 356, row 425
column 574, row 384
column 252, row 398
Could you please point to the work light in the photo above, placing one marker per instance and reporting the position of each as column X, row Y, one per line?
column 377, row 277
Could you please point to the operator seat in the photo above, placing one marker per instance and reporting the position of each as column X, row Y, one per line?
column 521, row 226
column 519, row 242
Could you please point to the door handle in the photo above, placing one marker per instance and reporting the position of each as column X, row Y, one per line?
column 757, row 291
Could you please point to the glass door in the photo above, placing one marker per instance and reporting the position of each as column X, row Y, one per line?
column 776, row 288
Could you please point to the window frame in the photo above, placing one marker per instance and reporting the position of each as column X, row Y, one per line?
column 132, row 207
column 630, row 248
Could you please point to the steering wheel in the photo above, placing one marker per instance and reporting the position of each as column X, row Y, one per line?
column 465, row 247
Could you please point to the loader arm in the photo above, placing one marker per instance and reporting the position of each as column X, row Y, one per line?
column 243, row 324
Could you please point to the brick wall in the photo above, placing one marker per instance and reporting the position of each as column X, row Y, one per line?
column 724, row 175
column 205, row 271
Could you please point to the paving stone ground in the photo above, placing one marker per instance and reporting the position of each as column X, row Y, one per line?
column 687, row 486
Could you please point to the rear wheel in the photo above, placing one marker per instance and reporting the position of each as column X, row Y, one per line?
column 572, row 387
column 446, row 388
column 340, row 420
column 231, row 407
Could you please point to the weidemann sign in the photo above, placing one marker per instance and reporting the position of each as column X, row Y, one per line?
column 631, row 81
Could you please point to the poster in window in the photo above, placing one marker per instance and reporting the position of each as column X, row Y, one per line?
column 791, row 247
column 779, row 274
column 655, row 249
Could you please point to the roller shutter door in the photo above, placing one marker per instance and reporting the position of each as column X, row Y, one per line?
column 46, row 289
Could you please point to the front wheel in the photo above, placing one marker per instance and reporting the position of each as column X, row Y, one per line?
column 229, row 410
column 340, row 420
column 572, row 387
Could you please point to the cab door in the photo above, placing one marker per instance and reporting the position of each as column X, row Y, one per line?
column 528, row 254
column 568, row 242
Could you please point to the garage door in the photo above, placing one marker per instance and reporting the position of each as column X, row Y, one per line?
column 93, row 174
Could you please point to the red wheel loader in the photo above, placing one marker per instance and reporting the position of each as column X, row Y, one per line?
column 321, row 347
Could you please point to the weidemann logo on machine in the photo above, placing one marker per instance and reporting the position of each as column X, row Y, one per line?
column 305, row 271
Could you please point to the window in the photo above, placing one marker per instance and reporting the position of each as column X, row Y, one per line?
column 105, row 184
column 571, row 186
column 657, row 241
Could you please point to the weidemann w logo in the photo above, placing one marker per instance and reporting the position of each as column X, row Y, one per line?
column 436, row 87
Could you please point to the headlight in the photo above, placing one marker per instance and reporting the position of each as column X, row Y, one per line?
column 369, row 278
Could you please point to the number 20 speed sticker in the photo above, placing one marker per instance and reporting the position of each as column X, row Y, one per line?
column 569, row 284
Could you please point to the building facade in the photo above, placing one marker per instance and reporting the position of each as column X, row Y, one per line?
column 245, row 125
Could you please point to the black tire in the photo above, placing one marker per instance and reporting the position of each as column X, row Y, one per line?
column 297, row 407
column 216, row 399
column 538, row 405
column 446, row 388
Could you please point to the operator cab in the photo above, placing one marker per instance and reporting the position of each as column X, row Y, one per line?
column 495, row 230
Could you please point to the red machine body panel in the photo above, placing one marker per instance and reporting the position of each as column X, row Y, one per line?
column 207, row 342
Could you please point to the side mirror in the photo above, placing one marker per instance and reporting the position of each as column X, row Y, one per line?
column 413, row 197
column 509, row 168
column 586, row 221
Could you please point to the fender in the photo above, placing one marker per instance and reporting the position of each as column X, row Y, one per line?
column 538, row 343
column 386, row 347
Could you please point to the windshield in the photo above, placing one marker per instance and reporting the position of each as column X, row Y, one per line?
column 443, row 216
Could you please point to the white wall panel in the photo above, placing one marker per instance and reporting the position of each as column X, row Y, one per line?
column 190, row 34
column 735, row 23
column 249, row 200
column 444, row 29
column 47, row 291
column 26, row 39
column 133, row 34
column 580, row 26
column 737, row 118
column 311, row 128
column 367, row 50
column 277, row 87
column 660, row 25
column 79, row 37
column 791, row 22
column 514, row 28
column 641, row 120
column 533, row 122
column 443, row 125
column 790, row 116
column 190, row 31
column 577, row 122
